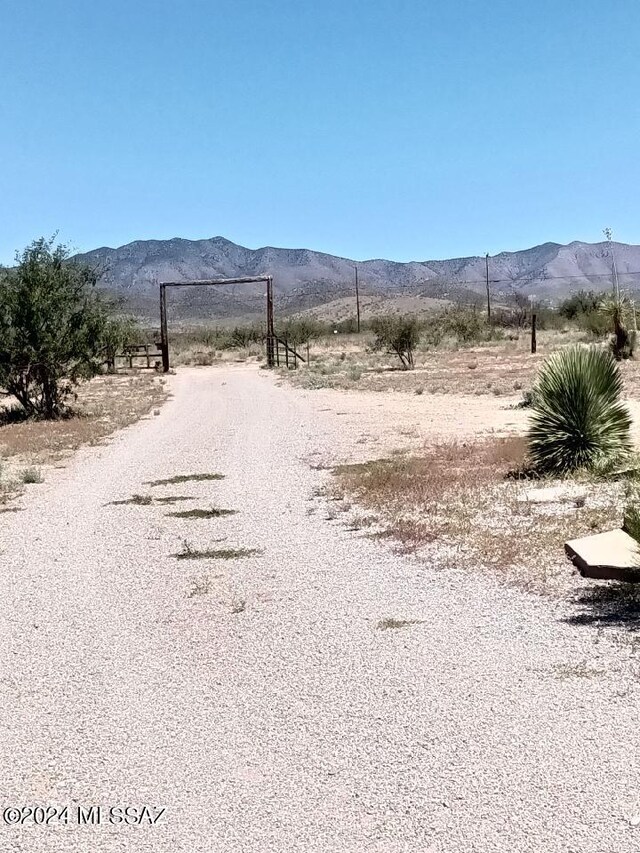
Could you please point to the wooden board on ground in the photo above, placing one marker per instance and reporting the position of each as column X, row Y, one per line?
column 613, row 555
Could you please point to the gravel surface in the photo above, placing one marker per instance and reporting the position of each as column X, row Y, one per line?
column 256, row 699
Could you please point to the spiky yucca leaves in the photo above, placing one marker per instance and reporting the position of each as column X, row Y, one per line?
column 578, row 418
column 618, row 311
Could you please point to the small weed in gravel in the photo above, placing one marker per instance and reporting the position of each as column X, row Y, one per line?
column 239, row 605
column 138, row 500
column 214, row 512
column 390, row 622
column 184, row 478
column 190, row 553
column 31, row 475
column 576, row 670
column 200, row 586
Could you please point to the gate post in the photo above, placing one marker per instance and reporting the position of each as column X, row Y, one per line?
column 270, row 331
column 164, row 338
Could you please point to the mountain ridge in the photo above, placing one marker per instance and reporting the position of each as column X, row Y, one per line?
column 304, row 278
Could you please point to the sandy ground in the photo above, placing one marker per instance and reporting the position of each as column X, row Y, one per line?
column 371, row 424
column 256, row 699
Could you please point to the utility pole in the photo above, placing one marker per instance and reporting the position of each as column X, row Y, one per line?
column 486, row 260
column 357, row 302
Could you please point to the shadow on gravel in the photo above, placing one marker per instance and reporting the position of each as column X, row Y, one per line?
column 614, row 605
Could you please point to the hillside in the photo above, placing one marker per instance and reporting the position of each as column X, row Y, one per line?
column 305, row 279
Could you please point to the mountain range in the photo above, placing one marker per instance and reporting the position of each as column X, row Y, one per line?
column 305, row 279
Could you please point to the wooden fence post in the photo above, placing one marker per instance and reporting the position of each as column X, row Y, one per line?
column 164, row 337
column 533, row 333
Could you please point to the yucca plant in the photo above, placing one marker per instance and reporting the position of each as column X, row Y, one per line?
column 618, row 310
column 578, row 418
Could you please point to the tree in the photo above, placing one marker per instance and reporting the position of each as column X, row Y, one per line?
column 52, row 328
column 400, row 335
column 578, row 417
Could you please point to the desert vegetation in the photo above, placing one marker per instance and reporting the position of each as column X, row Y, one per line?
column 55, row 329
column 578, row 417
column 509, row 503
column 56, row 332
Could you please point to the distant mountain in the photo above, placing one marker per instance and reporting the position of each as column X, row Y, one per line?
column 304, row 278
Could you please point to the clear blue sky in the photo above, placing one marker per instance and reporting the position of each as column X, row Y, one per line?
column 405, row 129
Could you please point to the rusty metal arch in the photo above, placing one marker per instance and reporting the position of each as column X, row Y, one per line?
column 213, row 282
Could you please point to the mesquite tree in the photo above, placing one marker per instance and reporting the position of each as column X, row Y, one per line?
column 400, row 335
column 52, row 328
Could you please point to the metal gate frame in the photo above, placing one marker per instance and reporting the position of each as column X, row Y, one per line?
column 209, row 282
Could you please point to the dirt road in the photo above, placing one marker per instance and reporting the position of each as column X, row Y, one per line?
column 255, row 699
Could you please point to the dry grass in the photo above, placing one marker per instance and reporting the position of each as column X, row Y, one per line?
column 190, row 553
column 184, row 478
column 501, row 368
column 214, row 512
column 457, row 502
column 136, row 500
column 200, row 586
column 391, row 622
column 104, row 405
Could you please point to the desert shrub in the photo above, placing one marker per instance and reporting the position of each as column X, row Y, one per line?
column 52, row 328
column 596, row 323
column 465, row 324
column 217, row 339
column 468, row 325
column 580, row 304
column 242, row 336
column 585, row 309
column 297, row 331
column 548, row 318
column 399, row 334
column 518, row 311
column 118, row 332
column 348, row 326
column 578, row 418
column 432, row 332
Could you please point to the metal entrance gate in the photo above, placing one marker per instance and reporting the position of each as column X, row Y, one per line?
column 214, row 282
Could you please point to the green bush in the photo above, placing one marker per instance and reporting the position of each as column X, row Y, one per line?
column 579, row 305
column 468, row 325
column 298, row 331
column 118, row 332
column 585, row 309
column 242, row 336
column 398, row 334
column 578, row 418
column 53, row 328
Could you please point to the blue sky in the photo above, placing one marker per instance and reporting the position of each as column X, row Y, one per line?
column 403, row 129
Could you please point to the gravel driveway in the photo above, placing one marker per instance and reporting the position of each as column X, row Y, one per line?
column 256, row 699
